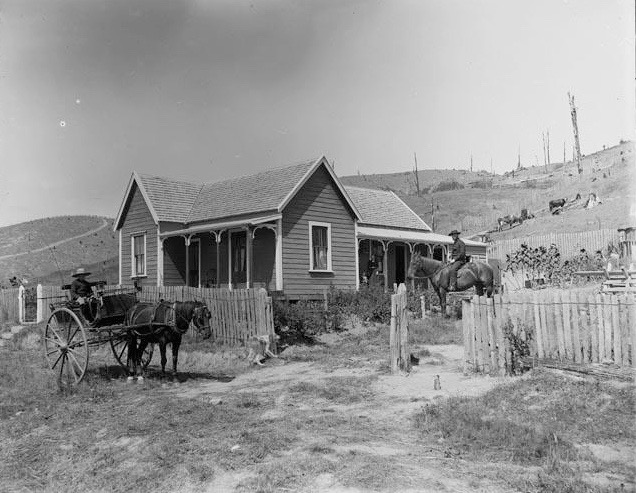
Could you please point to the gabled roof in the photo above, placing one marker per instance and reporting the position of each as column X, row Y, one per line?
column 187, row 203
column 384, row 208
column 263, row 191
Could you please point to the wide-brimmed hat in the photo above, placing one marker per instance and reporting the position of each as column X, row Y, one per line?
column 81, row 272
column 454, row 232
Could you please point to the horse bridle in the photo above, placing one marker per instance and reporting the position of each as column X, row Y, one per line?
column 201, row 313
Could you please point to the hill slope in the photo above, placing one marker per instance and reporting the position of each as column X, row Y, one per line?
column 48, row 250
column 479, row 198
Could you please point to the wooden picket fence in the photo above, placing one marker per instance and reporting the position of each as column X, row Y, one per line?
column 9, row 305
column 581, row 327
column 236, row 315
column 399, row 332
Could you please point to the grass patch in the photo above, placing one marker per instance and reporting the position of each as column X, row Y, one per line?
column 435, row 330
column 339, row 390
column 535, row 421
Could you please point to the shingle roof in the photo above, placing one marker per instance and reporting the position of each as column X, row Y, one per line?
column 186, row 202
column 382, row 208
column 255, row 193
column 172, row 200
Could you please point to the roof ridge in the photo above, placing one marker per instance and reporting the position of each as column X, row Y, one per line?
column 265, row 171
column 148, row 175
column 194, row 202
column 365, row 188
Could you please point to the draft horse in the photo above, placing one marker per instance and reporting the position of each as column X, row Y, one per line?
column 471, row 274
column 162, row 323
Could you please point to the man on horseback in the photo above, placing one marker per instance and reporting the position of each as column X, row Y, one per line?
column 458, row 254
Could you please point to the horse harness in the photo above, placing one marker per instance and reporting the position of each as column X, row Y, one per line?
column 170, row 321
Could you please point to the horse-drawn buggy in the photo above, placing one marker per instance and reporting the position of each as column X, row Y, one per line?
column 117, row 319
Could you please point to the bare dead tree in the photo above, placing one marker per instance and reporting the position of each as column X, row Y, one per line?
column 417, row 176
column 577, row 145
column 545, row 155
column 548, row 145
column 471, row 163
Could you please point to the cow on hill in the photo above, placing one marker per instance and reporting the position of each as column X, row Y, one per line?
column 556, row 205
column 510, row 220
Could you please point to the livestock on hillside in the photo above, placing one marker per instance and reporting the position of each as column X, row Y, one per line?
column 556, row 205
column 510, row 220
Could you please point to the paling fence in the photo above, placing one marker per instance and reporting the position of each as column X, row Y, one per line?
column 562, row 326
column 9, row 305
column 569, row 244
column 236, row 315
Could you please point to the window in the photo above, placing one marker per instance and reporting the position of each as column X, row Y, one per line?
column 138, row 255
column 319, row 246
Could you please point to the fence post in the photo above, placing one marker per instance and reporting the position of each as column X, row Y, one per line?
column 40, row 310
column 398, row 335
column 405, row 355
column 467, row 324
column 21, row 307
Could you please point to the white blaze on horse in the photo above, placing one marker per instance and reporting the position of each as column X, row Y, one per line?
column 477, row 274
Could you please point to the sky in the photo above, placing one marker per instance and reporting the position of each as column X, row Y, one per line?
column 205, row 90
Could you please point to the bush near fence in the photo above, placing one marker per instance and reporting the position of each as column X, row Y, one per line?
column 569, row 244
column 568, row 326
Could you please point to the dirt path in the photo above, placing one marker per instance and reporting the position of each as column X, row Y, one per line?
column 57, row 243
column 380, row 430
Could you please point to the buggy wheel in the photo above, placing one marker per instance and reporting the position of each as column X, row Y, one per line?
column 66, row 347
column 119, row 346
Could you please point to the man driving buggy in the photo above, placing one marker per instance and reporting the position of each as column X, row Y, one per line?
column 458, row 255
column 81, row 288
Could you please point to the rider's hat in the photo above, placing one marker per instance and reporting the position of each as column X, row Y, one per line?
column 454, row 232
column 81, row 272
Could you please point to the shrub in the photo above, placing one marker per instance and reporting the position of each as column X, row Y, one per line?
column 298, row 322
column 369, row 304
column 444, row 186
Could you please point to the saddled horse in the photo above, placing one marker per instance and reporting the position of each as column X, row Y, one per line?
column 471, row 274
column 163, row 323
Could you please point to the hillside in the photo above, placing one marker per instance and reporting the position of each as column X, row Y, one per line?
column 479, row 198
column 48, row 250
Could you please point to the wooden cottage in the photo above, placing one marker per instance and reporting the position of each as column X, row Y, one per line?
column 295, row 230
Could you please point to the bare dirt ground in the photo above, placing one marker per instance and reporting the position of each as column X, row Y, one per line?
column 392, row 401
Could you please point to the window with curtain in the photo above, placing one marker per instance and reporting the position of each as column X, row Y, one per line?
column 139, row 255
column 320, row 246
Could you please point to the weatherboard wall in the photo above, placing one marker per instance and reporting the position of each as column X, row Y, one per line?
column 138, row 219
column 318, row 200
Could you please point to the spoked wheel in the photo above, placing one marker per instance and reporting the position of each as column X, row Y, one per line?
column 66, row 347
column 119, row 345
